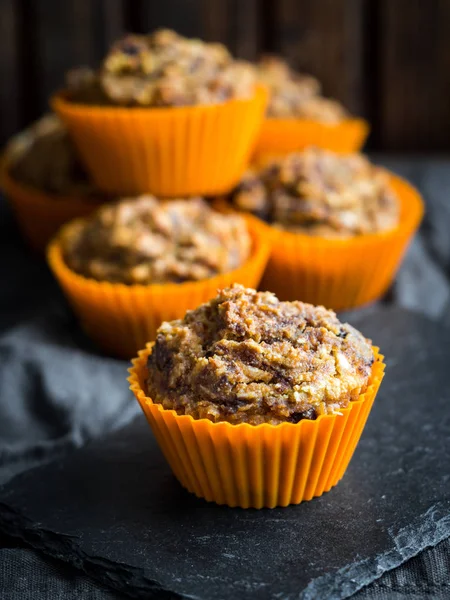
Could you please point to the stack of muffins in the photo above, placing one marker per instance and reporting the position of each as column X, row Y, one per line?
column 206, row 173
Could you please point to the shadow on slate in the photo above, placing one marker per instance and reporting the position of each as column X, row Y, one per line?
column 114, row 509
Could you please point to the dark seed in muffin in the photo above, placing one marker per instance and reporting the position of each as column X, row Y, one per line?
column 309, row 413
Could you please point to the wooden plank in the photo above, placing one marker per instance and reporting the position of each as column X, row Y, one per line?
column 415, row 75
column 107, row 23
column 65, row 39
column 71, row 34
column 9, row 71
column 389, row 60
column 247, row 34
column 231, row 22
column 324, row 38
column 216, row 21
column 235, row 23
column 112, row 21
column 185, row 17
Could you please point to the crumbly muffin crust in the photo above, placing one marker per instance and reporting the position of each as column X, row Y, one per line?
column 43, row 157
column 321, row 193
column 166, row 69
column 142, row 241
column 293, row 94
column 246, row 357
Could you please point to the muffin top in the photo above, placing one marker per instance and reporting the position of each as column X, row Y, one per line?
column 165, row 69
column 142, row 241
column 44, row 157
column 322, row 193
column 293, row 94
column 246, row 357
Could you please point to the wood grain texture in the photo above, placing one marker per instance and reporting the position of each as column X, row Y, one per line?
column 9, row 71
column 324, row 38
column 246, row 29
column 387, row 60
column 184, row 16
column 65, row 37
column 235, row 23
column 216, row 21
column 110, row 20
column 232, row 22
column 415, row 74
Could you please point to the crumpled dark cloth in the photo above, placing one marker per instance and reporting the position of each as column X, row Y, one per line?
column 25, row 575
column 57, row 392
column 424, row 577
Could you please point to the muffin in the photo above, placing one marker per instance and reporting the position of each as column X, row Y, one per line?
column 339, row 225
column 45, row 181
column 164, row 114
column 266, row 398
column 246, row 357
column 140, row 261
column 43, row 157
column 164, row 70
column 141, row 241
column 318, row 192
column 296, row 95
column 298, row 115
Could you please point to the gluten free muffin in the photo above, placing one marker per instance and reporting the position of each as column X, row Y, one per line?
column 321, row 193
column 142, row 241
column 44, row 157
column 141, row 261
column 338, row 226
column 298, row 115
column 164, row 115
column 166, row 69
column 45, row 181
column 246, row 357
column 256, row 402
column 295, row 95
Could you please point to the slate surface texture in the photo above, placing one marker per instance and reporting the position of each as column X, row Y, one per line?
column 114, row 508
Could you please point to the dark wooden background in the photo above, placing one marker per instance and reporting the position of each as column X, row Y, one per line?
column 387, row 60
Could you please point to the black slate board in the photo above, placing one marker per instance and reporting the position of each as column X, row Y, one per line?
column 114, row 508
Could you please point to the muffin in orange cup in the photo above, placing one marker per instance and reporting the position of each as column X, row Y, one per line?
column 339, row 226
column 139, row 262
column 165, row 115
column 298, row 116
column 256, row 402
column 44, row 181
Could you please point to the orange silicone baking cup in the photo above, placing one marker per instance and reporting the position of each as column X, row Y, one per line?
column 278, row 137
column 257, row 466
column 121, row 319
column 165, row 151
column 340, row 273
column 40, row 214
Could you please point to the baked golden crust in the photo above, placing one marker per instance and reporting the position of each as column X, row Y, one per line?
column 44, row 157
column 321, row 193
column 143, row 241
column 166, row 69
column 246, row 357
column 296, row 95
